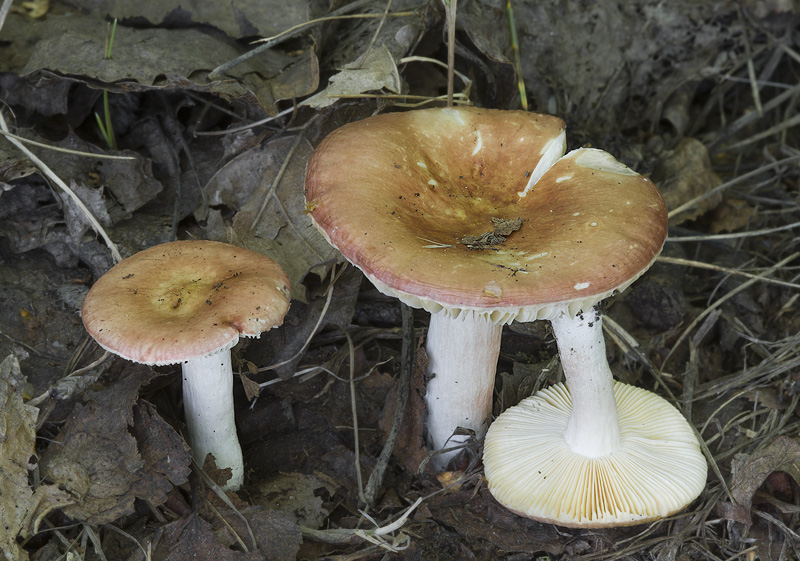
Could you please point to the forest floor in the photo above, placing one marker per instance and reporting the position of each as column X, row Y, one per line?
column 700, row 96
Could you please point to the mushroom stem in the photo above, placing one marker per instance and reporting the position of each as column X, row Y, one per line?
column 208, row 406
column 593, row 429
column 462, row 358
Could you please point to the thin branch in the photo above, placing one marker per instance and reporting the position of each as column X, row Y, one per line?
column 732, row 182
column 734, row 235
column 64, row 150
column 403, row 381
column 726, row 270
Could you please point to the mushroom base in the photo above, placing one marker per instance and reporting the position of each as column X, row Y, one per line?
column 657, row 470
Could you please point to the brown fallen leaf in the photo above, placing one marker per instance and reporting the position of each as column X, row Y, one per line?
column 166, row 455
column 273, row 219
column 278, row 536
column 252, row 389
column 731, row 215
column 502, row 227
column 751, row 470
column 476, row 516
column 685, row 173
column 293, row 494
column 275, row 534
column 21, row 508
column 96, row 457
column 192, row 539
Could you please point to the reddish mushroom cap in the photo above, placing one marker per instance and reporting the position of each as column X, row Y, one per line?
column 398, row 194
column 185, row 299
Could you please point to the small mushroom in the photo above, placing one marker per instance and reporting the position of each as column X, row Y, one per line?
column 189, row 302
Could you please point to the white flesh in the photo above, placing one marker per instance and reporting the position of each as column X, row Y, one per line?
column 208, row 407
column 593, row 429
column 462, row 355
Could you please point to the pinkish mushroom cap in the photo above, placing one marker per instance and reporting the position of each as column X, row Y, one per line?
column 399, row 193
column 185, row 299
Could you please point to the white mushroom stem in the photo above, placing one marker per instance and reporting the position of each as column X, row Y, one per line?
column 593, row 429
column 208, row 406
column 462, row 358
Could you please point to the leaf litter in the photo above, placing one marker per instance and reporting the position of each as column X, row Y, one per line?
column 96, row 466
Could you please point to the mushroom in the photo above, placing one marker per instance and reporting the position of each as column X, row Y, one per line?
column 442, row 209
column 595, row 453
column 189, row 302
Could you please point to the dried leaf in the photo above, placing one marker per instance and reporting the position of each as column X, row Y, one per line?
column 17, row 437
column 167, row 458
column 244, row 18
column 13, row 166
column 129, row 182
column 520, row 382
column 251, row 388
column 750, row 471
column 376, row 73
column 731, row 215
column 294, row 495
column 32, row 8
column 273, row 221
column 192, row 539
column 74, row 45
column 76, row 219
column 476, row 516
column 502, row 227
column 21, row 510
column 96, row 458
column 685, row 173
column 277, row 535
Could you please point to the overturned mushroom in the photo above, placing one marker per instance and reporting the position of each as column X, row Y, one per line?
column 593, row 452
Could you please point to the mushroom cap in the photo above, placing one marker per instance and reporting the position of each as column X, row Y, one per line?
column 530, row 469
column 185, row 299
column 398, row 193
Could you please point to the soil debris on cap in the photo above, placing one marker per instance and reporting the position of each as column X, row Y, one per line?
column 503, row 227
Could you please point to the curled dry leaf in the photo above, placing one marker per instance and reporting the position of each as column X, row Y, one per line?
column 472, row 512
column 751, row 470
column 275, row 535
column 77, row 222
column 73, row 45
column 244, row 19
column 685, row 173
column 376, row 73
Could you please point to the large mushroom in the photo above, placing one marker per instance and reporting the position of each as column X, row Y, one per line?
column 464, row 212
column 595, row 453
column 189, row 302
